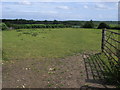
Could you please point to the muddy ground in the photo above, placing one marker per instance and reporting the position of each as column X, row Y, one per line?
column 69, row 72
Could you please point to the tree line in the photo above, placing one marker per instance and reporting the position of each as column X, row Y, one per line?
column 22, row 23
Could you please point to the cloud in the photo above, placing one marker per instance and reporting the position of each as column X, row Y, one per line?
column 64, row 0
column 101, row 6
column 7, row 8
column 108, row 7
column 85, row 6
column 49, row 12
column 42, row 12
column 63, row 7
column 25, row 2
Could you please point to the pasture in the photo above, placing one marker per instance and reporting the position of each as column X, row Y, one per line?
column 49, row 43
column 52, row 58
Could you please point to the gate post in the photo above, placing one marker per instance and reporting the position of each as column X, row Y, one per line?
column 103, row 39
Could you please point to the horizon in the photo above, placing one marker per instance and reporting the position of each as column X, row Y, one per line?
column 55, row 19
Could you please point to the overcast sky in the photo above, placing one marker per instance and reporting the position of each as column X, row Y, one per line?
column 99, row 11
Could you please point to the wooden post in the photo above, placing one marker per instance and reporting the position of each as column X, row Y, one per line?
column 103, row 38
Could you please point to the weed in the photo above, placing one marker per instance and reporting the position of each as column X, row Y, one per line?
column 4, row 55
column 49, row 85
column 34, row 34
column 26, row 33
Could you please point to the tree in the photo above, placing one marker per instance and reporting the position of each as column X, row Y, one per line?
column 45, row 22
column 55, row 22
column 88, row 24
column 103, row 25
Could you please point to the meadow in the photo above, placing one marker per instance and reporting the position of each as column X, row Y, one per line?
column 49, row 43
column 51, row 53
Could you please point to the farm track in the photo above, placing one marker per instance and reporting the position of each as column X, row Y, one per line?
column 69, row 72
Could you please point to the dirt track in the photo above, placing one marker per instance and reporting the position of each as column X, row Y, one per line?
column 67, row 72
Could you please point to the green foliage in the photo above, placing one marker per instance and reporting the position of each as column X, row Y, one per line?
column 117, row 27
column 3, row 26
column 4, row 55
column 88, row 24
column 26, row 32
column 56, row 22
column 26, row 26
column 111, row 73
column 71, row 23
column 18, row 30
column 8, row 24
column 103, row 25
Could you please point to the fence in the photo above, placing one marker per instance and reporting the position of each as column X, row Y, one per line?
column 111, row 48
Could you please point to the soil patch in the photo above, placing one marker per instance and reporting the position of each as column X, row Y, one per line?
column 67, row 72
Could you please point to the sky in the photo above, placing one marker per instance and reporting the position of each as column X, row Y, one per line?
column 97, row 11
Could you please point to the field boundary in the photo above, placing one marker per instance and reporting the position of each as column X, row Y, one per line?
column 111, row 48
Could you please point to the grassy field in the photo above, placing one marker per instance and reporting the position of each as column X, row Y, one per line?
column 49, row 43
column 42, row 53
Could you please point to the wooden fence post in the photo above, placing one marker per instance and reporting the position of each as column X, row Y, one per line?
column 103, row 39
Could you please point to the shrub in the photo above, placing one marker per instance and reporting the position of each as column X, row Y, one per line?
column 88, row 24
column 21, row 26
column 103, row 25
column 3, row 26
column 115, row 27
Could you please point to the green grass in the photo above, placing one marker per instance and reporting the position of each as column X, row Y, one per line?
column 50, row 43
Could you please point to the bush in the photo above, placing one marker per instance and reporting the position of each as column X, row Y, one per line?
column 88, row 24
column 103, row 25
column 116, row 27
column 3, row 26
column 20, row 26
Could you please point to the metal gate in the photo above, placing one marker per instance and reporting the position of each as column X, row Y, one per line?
column 111, row 48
